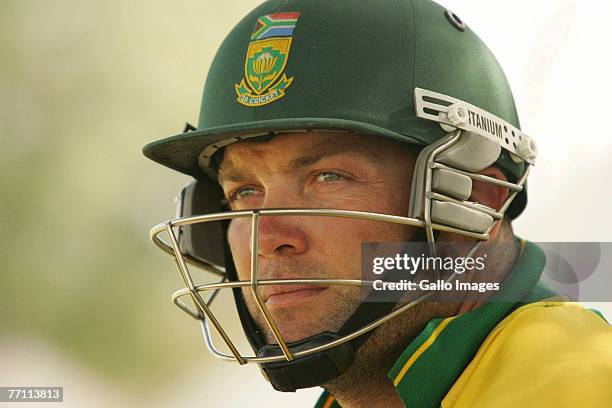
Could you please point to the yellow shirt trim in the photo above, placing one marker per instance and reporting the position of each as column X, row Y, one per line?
column 329, row 401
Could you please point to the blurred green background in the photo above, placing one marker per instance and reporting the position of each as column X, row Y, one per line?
column 84, row 85
column 84, row 296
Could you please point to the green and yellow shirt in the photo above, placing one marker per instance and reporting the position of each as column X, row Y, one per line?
column 540, row 352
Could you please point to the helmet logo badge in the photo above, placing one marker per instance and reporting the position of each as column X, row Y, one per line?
column 264, row 78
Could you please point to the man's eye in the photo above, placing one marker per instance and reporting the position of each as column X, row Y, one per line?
column 242, row 193
column 328, row 176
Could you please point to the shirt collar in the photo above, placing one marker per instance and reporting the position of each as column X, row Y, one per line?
column 435, row 359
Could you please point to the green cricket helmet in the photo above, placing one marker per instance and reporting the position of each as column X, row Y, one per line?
column 407, row 70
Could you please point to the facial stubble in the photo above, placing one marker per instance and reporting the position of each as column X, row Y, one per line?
column 325, row 312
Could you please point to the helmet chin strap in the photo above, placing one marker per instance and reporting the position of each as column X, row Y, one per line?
column 317, row 368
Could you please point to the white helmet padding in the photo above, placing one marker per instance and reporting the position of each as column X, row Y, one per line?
column 471, row 153
column 456, row 185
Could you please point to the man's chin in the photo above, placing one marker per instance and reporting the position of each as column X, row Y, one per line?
column 293, row 329
column 297, row 324
column 307, row 315
column 291, row 336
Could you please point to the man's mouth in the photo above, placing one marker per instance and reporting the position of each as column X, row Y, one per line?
column 288, row 295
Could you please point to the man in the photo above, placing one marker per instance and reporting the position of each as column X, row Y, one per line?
column 326, row 126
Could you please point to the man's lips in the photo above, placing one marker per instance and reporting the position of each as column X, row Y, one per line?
column 284, row 295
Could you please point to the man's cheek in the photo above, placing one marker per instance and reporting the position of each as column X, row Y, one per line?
column 238, row 236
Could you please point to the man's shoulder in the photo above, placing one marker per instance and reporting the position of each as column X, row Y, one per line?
column 551, row 352
column 565, row 326
column 552, row 337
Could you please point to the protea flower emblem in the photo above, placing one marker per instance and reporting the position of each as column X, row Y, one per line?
column 265, row 70
column 264, row 63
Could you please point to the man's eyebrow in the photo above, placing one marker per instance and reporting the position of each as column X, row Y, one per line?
column 229, row 173
column 333, row 146
column 329, row 147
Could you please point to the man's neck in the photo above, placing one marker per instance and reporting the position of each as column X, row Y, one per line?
column 365, row 383
column 380, row 394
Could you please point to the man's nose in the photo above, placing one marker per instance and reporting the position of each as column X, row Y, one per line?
column 280, row 235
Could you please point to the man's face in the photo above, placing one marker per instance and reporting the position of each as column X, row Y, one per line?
column 313, row 170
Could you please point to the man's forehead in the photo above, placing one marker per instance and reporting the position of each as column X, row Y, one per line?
column 294, row 150
column 303, row 143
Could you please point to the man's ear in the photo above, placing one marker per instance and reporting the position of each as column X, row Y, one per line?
column 489, row 194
